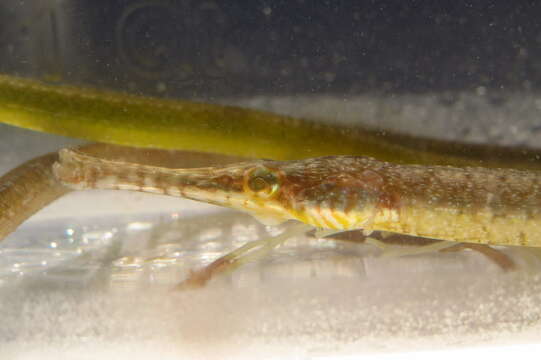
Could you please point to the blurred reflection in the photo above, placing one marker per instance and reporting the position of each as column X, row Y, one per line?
column 215, row 48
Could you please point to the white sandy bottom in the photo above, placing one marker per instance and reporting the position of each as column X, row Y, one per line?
column 286, row 319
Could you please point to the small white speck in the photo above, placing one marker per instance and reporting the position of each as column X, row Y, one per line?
column 481, row 90
column 137, row 226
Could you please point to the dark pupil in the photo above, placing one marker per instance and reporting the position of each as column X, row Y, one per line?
column 262, row 180
column 258, row 183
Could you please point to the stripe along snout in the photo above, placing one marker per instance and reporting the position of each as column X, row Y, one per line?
column 323, row 192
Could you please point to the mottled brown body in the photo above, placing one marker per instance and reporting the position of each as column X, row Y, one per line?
column 492, row 206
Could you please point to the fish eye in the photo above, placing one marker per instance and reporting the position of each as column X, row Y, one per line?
column 262, row 181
